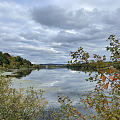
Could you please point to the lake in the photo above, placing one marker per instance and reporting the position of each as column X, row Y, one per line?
column 57, row 82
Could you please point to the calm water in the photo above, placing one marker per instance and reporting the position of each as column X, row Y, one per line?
column 57, row 82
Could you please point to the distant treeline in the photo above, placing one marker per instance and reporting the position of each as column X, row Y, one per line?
column 93, row 66
column 6, row 60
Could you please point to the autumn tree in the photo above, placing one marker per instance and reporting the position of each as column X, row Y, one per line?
column 105, row 98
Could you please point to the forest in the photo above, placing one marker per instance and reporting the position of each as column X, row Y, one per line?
column 6, row 60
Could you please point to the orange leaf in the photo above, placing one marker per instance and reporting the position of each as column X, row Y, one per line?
column 103, row 78
column 87, row 101
column 20, row 95
column 70, row 114
column 106, row 86
column 111, row 71
column 113, row 78
column 84, row 117
column 75, row 109
column 79, row 113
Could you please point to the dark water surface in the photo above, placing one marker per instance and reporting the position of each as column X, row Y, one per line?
column 57, row 82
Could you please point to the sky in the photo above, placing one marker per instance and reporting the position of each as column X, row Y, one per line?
column 45, row 31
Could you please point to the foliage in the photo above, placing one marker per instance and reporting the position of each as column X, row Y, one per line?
column 3, row 59
column 20, row 105
column 114, row 48
column 105, row 98
column 79, row 56
column 67, row 111
column 6, row 60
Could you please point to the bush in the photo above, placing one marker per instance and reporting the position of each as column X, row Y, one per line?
column 20, row 105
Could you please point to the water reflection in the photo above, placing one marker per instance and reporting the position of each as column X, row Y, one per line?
column 55, row 82
column 22, row 73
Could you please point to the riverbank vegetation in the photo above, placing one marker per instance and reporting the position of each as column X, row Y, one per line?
column 8, row 61
column 21, row 104
column 17, row 62
column 92, row 65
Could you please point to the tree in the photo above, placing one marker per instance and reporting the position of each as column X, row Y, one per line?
column 79, row 56
column 105, row 98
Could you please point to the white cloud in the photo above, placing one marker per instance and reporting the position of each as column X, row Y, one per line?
column 56, row 28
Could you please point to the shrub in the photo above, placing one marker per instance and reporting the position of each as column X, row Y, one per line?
column 20, row 105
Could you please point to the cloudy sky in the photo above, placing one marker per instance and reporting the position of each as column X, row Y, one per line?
column 45, row 31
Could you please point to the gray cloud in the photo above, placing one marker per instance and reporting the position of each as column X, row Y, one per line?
column 88, row 4
column 47, row 34
column 54, row 16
